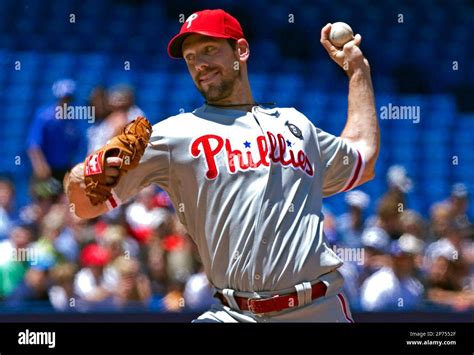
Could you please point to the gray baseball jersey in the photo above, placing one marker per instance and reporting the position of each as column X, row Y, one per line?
column 248, row 186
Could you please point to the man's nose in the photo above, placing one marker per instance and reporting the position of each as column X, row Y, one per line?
column 200, row 63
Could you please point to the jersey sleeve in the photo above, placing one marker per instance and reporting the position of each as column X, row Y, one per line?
column 153, row 169
column 343, row 163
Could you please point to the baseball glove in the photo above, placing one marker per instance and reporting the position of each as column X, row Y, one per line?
column 129, row 145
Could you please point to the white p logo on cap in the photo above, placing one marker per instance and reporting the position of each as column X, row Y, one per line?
column 191, row 19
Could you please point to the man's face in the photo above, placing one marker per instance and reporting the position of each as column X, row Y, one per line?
column 404, row 263
column 21, row 237
column 460, row 204
column 6, row 194
column 213, row 65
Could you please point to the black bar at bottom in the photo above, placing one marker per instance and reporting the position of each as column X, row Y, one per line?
column 443, row 338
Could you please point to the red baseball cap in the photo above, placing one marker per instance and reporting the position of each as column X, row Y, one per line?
column 94, row 255
column 212, row 23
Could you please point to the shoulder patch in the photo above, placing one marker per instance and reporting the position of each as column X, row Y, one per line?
column 294, row 130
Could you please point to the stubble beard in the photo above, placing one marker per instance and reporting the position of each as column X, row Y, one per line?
column 221, row 90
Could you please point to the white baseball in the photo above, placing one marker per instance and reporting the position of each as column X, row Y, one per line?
column 340, row 34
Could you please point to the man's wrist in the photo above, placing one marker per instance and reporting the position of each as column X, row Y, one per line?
column 359, row 71
column 360, row 67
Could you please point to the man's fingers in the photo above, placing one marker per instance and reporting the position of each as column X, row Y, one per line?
column 114, row 161
column 353, row 42
column 326, row 42
column 112, row 171
column 357, row 39
column 325, row 32
column 109, row 180
column 111, row 175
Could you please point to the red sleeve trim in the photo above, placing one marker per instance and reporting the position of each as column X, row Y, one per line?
column 356, row 174
column 113, row 201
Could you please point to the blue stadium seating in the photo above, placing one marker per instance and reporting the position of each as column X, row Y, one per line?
column 106, row 33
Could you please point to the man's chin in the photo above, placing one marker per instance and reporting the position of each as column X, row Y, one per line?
column 211, row 95
column 209, row 89
column 216, row 92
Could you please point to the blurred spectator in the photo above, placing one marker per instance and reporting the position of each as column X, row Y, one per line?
column 121, row 103
column 179, row 250
column 411, row 242
column 351, row 224
column 62, row 295
column 446, row 278
column 448, row 261
column 444, row 268
column 459, row 201
column 174, row 299
column 99, row 100
column 118, row 243
column 158, row 270
column 398, row 180
column 350, row 227
column 441, row 215
column 144, row 216
column 388, row 214
column 122, row 98
column 180, row 261
column 394, row 287
column 133, row 288
column 455, row 242
column 7, row 194
column 393, row 202
column 56, row 238
column 82, row 229
column 46, row 191
column 167, row 290
column 13, row 268
column 33, row 290
column 455, row 300
column 45, row 194
column 53, row 143
column 376, row 244
column 89, row 282
column 413, row 224
column 198, row 292
column 20, row 237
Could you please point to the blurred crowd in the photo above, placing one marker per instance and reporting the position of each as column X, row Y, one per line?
column 139, row 257
column 398, row 261
column 135, row 257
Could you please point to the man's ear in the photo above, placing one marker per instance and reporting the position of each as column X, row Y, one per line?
column 243, row 49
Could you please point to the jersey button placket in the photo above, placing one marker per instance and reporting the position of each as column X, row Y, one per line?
column 259, row 250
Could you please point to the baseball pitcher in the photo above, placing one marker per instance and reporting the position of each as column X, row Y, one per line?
column 248, row 180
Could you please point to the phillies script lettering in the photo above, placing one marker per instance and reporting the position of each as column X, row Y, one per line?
column 271, row 148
